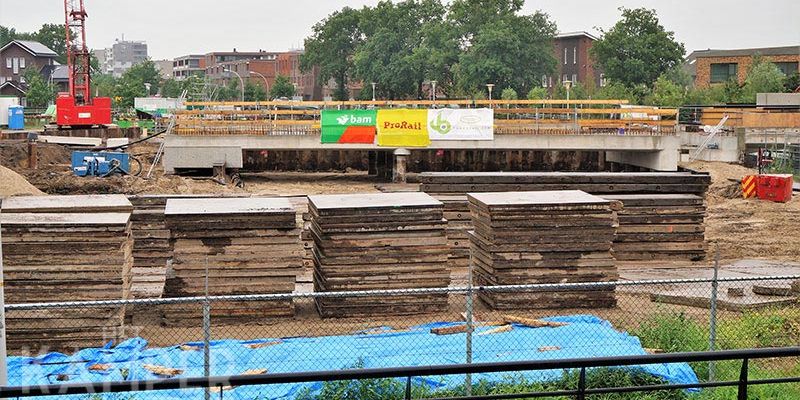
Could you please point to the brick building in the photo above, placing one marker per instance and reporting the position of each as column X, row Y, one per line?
column 575, row 63
column 708, row 67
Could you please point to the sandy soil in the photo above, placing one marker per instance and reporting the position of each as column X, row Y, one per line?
column 13, row 184
column 748, row 228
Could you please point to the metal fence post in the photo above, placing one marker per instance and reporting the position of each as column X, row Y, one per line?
column 468, row 317
column 712, row 336
column 207, row 336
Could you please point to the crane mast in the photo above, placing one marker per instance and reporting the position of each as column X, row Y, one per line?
column 77, row 108
column 78, row 56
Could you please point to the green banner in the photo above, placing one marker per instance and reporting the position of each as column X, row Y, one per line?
column 348, row 126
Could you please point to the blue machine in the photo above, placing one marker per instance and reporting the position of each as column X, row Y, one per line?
column 88, row 163
column 16, row 117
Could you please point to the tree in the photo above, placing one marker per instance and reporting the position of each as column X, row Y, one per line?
column 762, row 77
column 666, row 93
column 509, row 94
column 282, row 87
column 254, row 92
column 53, row 36
column 104, row 85
column 637, row 50
column 792, row 83
column 395, row 53
column 40, row 93
column 576, row 92
column 145, row 72
column 332, row 47
column 615, row 91
column 511, row 51
column 537, row 93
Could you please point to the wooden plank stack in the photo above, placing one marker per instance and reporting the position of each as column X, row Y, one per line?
column 152, row 248
column 65, row 249
column 375, row 242
column 247, row 245
column 543, row 237
column 660, row 227
column 451, row 189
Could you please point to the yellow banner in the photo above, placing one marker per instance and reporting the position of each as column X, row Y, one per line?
column 403, row 128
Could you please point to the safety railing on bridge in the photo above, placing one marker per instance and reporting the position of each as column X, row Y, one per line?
column 510, row 116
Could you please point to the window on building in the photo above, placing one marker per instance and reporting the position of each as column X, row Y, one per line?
column 574, row 55
column 788, row 68
column 8, row 62
column 564, row 78
column 574, row 79
column 551, row 81
column 565, row 56
column 724, row 72
column 16, row 65
column 544, row 80
column 22, row 62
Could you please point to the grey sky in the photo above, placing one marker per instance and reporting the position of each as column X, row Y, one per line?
column 172, row 28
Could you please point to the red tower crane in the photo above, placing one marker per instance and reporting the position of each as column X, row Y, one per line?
column 78, row 107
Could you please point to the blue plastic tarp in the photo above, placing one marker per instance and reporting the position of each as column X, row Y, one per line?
column 584, row 336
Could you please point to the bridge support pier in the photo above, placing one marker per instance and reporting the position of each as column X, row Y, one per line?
column 400, row 165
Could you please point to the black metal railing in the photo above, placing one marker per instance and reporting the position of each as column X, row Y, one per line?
column 580, row 364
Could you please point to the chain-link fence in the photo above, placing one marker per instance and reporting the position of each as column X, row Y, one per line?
column 190, row 337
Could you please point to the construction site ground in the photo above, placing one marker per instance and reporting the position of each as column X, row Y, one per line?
column 741, row 229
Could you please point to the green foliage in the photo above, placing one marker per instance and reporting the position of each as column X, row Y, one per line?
column 332, row 47
column 615, row 91
column 576, row 92
column 792, row 83
column 395, row 388
column 463, row 46
column 509, row 94
column 537, row 93
column 762, row 77
column 282, row 87
column 666, row 93
column 40, row 93
column 509, row 50
column 254, row 92
column 396, row 54
column 637, row 49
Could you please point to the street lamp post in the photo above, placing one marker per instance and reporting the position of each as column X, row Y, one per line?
column 266, row 84
column 373, row 90
column 433, row 91
column 490, row 86
column 567, row 85
column 239, row 76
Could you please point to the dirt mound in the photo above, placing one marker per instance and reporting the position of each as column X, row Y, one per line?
column 725, row 179
column 14, row 154
column 13, row 184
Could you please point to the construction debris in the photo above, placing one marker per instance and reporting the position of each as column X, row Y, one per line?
column 163, row 372
column 243, row 245
column 532, row 323
column 449, row 330
column 499, row 329
column 543, row 237
column 378, row 241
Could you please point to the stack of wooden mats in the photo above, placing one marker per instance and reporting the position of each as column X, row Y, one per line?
column 65, row 249
column 376, row 242
column 660, row 227
column 244, row 245
column 543, row 237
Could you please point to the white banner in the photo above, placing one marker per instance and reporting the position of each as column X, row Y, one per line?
column 466, row 124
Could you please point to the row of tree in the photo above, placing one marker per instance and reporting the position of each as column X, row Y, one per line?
column 461, row 45
column 466, row 44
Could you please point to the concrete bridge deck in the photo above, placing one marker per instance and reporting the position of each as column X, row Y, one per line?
column 657, row 151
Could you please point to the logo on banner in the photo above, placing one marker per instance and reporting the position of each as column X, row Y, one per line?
column 354, row 120
column 441, row 124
